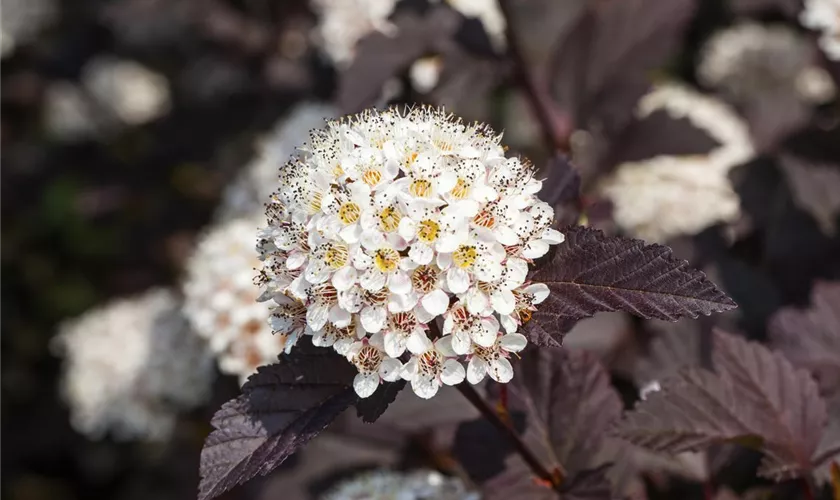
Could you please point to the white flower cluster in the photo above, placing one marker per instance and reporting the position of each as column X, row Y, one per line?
column 752, row 60
column 390, row 485
column 131, row 365
column 667, row 196
column 824, row 15
column 390, row 224
column 344, row 22
column 220, row 299
column 22, row 20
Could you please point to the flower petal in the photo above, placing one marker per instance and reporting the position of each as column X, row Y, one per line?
column 399, row 282
column 425, row 386
column 476, row 370
column 344, row 278
column 435, row 302
column 453, row 372
column 373, row 318
column 418, row 342
column 390, row 369
column 458, row 280
column 500, row 370
column 540, row 292
column 366, row 384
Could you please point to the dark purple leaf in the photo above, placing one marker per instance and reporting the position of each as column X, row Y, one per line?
column 380, row 57
column 605, row 63
column 814, row 187
column 757, row 398
column 810, row 338
column 281, row 408
column 677, row 346
column 370, row 409
column 562, row 181
column 591, row 272
column 788, row 7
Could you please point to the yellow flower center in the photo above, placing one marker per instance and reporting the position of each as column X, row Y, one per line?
column 410, row 158
column 389, row 219
column 349, row 212
column 387, row 260
column 461, row 189
column 336, row 256
column 428, row 231
column 420, row 188
column 337, row 170
column 465, row 256
column 371, row 177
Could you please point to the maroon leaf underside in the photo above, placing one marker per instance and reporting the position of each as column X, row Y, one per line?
column 756, row 398
column 591, row 272
column 569, row 404
column 281, row 408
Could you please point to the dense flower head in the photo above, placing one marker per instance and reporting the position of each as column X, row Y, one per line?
column 220, row 299
column 389, row 227
column 388, row 485
column 131, row 365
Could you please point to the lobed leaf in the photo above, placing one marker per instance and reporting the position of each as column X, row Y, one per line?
column 756, row 398
column 280, row 409
column 591, row 272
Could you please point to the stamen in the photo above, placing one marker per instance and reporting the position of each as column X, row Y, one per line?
column 464, row 256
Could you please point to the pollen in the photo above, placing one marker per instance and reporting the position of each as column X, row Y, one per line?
column 465, row 256
column 389, row 219
column 349, row 212
column 387, row 260
column 428, row 231
column 420, row 188
column 429, row 362
column 371, row 177
column 461, row 189
column 410, row 158
column 338, row 171
column 336, row 255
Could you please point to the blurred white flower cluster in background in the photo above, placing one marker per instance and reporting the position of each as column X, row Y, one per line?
column 752, row 60
column 387, row 222
column 112, row 93
column 131, row 366
column 667, row 196
column 391, row 485
column 22, row 20
column 824, row 16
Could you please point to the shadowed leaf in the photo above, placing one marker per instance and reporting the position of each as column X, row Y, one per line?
column 281, row 408
column 591, row 272
column 810, row 338
column 814, row 187
column 604, row 65
column 757, row 399
column 370, row 409
column 380, row 57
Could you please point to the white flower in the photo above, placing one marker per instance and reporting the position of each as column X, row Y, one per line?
column 463, row 329
column 493, row 360
column 434, row 366
column 385, row 484
column 383, row 221
column 526, row 298
column 131, row 365
column 824, row 15
column 220, row 299
column 374, row 365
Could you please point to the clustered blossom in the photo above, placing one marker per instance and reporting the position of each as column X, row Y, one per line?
column 389, row 227
column 131, row 365
column 389, row 485
column 751, row 61
column 670, row 195
column 220, row 299
column 824, row 15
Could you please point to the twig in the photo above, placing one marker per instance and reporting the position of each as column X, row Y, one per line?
column 555, row 479
column 556, row 125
